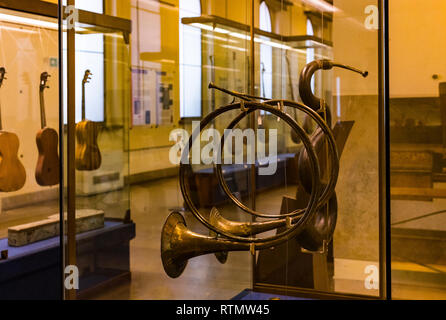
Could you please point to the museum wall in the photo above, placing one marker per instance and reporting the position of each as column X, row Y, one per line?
column 20, row 100
column 416, row 55
column 149, row 147
column 39, row 47
column 356, row 239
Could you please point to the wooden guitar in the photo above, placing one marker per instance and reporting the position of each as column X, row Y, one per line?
column 47, row 139
column 12, row 172
column 88, row 155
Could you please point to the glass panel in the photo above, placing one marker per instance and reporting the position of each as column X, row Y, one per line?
column 177, row 49
column 30, row 263
column 190, row 60
column 102, row 88
column 417, row 136
column 344, row 260
column 176, row 52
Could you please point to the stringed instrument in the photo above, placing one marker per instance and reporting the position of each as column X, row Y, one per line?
column 12, row 172
column 47, row 140
column 88, row 156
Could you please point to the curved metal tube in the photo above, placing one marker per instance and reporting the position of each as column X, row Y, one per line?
column 248, row 228
column 242, row 96
column 306, row 75
column 311, row 226
column 329, row 188
column 260, row 243
column 319, row 229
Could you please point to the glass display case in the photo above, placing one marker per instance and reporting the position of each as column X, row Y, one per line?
column 297, row 51
column 83, row 229
column 261, row 148
column 416, row 110
column 30, row 194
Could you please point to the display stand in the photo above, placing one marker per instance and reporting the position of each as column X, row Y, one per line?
column 33, row 271
column 301, row 268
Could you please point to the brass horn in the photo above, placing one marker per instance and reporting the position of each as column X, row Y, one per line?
column 312, row 226
column 319, row 229
column 242, row 228
column 247, row 228
column 179, row 244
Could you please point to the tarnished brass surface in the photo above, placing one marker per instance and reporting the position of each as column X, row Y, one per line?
column 312, row 227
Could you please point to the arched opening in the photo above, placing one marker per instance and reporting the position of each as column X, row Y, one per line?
column 89, row 55
column 190, row 61
column 310, row 51
column 266, row 54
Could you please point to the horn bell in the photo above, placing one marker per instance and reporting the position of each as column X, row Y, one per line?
column 173, row 266
column 179, row 244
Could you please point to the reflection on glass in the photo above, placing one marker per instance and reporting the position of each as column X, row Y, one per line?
column 29, row 184
column 417, row 151
column 190, row 61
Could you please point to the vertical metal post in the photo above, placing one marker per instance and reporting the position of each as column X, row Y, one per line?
column 252, row 117
column 252, row 125
column 385, row 281
column 61, row 153
column 61, row 148
column 71, row 127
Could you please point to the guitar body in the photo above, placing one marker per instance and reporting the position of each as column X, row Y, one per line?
column 88, row 155
column 12, row 172
column 48, row 165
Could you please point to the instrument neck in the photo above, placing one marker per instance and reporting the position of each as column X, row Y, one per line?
column 42, row 110
column 83, row 101
column 1, row 124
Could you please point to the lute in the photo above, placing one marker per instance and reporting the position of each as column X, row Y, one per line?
column 12, row 172
column 88, row 156
column 47, row 140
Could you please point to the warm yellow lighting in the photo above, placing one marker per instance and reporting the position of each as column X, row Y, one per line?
column 321, row 5
column 240, row 36
column 247, row 37
column 202, row 26
column 220, row 30
column 167, row 61
column 36, row 23
column 234, row 48
column 28, row 21
column 157, row 4
column 17, row 29
column 218, row 38
column 210, row 67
